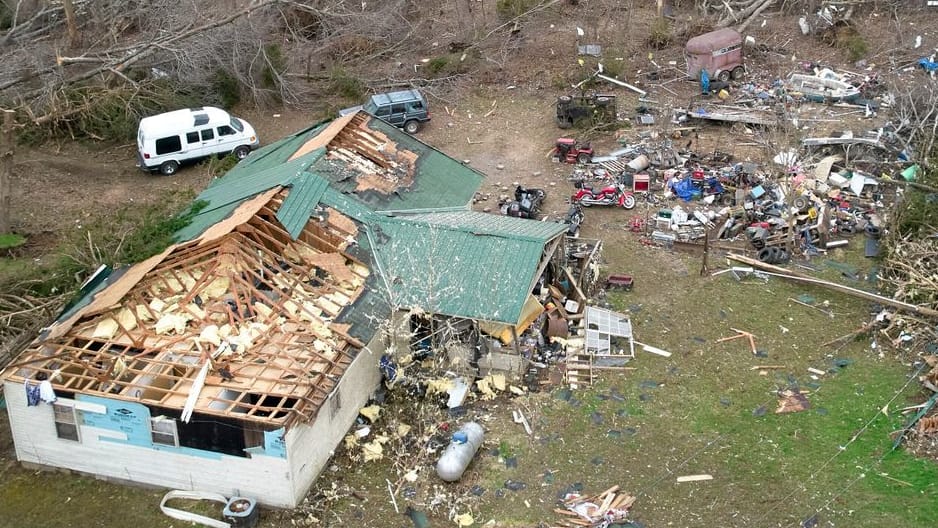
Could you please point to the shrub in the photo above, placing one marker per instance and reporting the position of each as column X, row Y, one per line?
column 227, row 88
column 437, row 64
column 219, row 166
column 512, row 8
column 346, row 85
column 659, row 35
column 6, row 17
column 274, row 66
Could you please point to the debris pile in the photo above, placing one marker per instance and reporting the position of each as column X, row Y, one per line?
column 610, row 506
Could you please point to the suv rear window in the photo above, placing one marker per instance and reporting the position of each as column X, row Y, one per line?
column 168, row 145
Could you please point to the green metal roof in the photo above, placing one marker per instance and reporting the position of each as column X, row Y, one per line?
column 461, row 264
column 491, row 224
column 227, row 192
column 298, row 206
column 273, row 154
column 440, row 182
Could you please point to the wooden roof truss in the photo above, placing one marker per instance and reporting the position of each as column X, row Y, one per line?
column 260, row 304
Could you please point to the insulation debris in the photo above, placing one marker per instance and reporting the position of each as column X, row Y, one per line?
column 170, row 322
column 371, row 412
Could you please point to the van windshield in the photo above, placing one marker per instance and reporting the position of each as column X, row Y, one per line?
column 236, row 124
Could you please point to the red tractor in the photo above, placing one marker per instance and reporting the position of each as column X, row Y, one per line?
column 569, row 151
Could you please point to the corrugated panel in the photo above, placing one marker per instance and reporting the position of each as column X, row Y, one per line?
column 235, row 187
column 491, row 224
column 273, row 154
column 347, row 205
column 303, row 197
column 452, row 271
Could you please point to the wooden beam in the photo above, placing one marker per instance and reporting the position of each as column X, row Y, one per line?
column 796, row 276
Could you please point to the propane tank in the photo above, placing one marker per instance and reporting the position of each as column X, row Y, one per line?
column 460, row 452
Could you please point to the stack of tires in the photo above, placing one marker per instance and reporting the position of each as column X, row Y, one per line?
column 773, row 255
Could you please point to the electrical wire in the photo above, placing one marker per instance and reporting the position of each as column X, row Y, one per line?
column 842, row 449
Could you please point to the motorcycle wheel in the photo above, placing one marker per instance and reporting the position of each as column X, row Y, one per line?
column 629, row 201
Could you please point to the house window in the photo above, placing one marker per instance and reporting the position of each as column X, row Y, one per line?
column 335, row 403
column 66, row 426
column 163, row 431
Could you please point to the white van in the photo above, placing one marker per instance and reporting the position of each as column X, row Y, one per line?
column 166, row 141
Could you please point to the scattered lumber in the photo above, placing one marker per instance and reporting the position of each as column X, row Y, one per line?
column 610, row 506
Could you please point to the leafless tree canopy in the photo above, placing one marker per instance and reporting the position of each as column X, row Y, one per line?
column 272, row 49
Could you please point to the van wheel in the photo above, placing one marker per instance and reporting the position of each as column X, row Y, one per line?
column 411, row 127
column 168, row 168
column 242, row 152
column 738, row 73
column 723, row 76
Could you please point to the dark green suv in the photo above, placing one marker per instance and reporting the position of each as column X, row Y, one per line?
column 406, row 109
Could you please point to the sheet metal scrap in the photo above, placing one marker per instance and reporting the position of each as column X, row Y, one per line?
column 610, row 506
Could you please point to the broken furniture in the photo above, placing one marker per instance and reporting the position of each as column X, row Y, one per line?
column 607, row 345
column 619, row 281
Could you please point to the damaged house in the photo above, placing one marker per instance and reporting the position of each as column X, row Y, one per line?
column 236, row 360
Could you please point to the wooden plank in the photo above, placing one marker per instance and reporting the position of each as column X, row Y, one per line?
column 694, row 478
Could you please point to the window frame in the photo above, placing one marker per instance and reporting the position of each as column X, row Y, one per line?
column 160, row 421
column 58, row 411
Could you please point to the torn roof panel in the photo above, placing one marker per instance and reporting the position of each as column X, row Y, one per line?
column 242, row 185
column 299, row 204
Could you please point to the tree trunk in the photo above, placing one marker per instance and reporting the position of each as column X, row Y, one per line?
column 70, row 23
column 6, row 171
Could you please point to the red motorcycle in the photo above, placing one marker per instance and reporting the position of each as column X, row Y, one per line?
column 613, row 194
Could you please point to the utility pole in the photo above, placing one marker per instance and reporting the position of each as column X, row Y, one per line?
column 6, row 171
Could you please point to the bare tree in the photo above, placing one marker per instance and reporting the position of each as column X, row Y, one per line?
column 916, row 114
column 6, row 171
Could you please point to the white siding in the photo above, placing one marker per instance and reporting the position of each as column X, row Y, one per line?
column 269, row 480
column 309, row 446
column 266, row 479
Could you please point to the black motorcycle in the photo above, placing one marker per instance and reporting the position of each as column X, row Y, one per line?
column 527, row 203
column 573, row 220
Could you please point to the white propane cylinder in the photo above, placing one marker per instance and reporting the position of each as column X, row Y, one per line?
column 459, row 454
